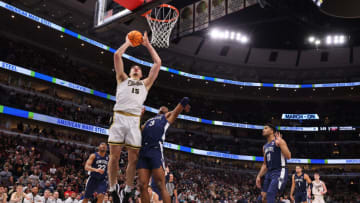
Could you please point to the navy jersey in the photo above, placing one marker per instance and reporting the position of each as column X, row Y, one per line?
column 273, row 156
column 153, row 134
column 100, row 162
column 300, row 183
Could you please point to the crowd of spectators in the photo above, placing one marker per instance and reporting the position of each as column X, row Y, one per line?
column 44, row 171
column 192, row 134
column 335, row 112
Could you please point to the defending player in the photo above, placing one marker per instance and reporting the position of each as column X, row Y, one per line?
column 96, row 165
column 319, row 189
column 299, row 182
column 125, row 131
column 276, row 152
column 151, row 158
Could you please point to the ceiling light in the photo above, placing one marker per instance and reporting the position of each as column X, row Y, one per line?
column 226, row 34
column 244, row 39
column 38, row 27
column 61, row 36
column 12, row 16
column 238, row 36
column 82, row 44
column 311, row 39
column 102, row 52
column 214, row 33
column 232, row 35
column 328, row 40
column 317, row 42
column 342, row 39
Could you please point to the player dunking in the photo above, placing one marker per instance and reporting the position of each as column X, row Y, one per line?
column 96, row 165
column 151, row 158
column 319, row 189
column 125, row 131
column 276, row 152
column 299, row 182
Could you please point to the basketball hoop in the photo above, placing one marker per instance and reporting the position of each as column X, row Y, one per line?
column 161, row 21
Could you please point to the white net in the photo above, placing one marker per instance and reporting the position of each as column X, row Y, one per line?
column 162, row 21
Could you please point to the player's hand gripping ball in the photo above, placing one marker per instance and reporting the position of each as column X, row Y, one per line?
column 135, row 37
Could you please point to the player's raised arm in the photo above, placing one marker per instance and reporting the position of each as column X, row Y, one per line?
column 283, row 146
column 292, row 188
column 89, row 163
column 118, row 62
column 154, row 71
column 183, row 105
column 262, row 172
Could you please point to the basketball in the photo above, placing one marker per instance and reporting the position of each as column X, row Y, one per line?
column 135, row 38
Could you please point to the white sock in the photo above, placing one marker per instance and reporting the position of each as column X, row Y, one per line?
column 128, row 189
column 112, row 188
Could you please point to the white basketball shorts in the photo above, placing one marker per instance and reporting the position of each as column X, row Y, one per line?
column 125, row 130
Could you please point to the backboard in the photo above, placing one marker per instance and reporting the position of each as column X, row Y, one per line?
column 109, row 11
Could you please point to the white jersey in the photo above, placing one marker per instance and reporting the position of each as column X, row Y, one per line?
column 317, row 188
column 130, row 96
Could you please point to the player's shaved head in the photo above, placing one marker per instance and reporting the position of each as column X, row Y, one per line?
column 163, row 110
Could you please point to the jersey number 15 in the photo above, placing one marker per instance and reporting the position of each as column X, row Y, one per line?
column 135, row 91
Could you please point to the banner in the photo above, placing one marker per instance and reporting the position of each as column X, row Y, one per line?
column 234, row 5
column 186, row 20
column 201, row 14
column 300, row 117
column 217, row 9
column 99, row 130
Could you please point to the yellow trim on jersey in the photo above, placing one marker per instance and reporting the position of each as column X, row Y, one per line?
column 126, row 113
column 132, row 146
column 115, row 143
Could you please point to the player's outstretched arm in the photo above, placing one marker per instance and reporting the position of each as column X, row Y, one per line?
column 292, row 188
column 89, row 163
column 183, row 105
column 283, row 146
column 154, row 71
column 262, row 172
column 118, row 62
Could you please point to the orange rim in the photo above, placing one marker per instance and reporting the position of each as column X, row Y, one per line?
column 162, row 21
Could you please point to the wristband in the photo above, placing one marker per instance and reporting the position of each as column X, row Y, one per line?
column 184, row 101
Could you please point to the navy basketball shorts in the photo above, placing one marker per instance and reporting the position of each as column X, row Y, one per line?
column 150, row 159
column 300, row 197
column 94, row 185
column 275, row 181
